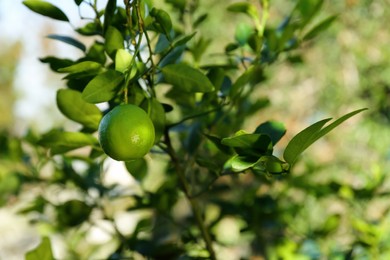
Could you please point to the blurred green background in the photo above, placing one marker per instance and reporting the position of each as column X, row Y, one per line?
column 337, row 200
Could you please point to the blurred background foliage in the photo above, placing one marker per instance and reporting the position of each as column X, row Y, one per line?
column 334, row 205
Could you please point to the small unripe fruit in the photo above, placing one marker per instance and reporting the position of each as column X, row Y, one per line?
column 126, row 133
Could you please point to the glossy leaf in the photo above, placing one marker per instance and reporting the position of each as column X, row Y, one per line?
column 114, row 41
column 137, row 168
column 61, row 142
column 82, row 69
column 186, row 78
column 68, row 40
column 103, row 87
column 241, row 163
column 42, row 252
column 73, row 106
column 46, row 9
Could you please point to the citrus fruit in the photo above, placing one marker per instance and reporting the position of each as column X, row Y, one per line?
column 126, row 133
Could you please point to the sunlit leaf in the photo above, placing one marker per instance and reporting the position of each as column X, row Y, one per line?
column 114, row 41
column 103, row 87
column 42, row 252
column 61, row 142
column 309, row 135
column 82, row 69
column 73, row 106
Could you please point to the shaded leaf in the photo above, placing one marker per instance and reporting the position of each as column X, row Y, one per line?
column 156, row 113
column 108, row 14
column 46, row 9
column 137, row 168
column 90, row 29
column 68, row 40
column 73, row 106
column 163, row 23
column 186, row 78
column 103, row 87
column 72, row 213
column 249, row 144
column 56, row 63
column 42, row 252
column 275, row 130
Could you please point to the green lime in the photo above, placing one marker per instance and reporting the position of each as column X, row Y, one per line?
column 126, row 133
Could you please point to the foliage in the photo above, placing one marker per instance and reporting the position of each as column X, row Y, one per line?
column 223, row 187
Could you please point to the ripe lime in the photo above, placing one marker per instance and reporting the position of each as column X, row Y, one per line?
column 126, row 133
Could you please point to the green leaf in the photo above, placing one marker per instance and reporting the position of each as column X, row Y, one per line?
column 163, row 23
column 183, row 40
column 82, row 69
column 114, row 41
column 78, row 2
column 72, row 213
column 309, row 135
column 275, row 130
column 336, row 123
column 321, row 26
column 301, row 141
column 90, row 29
column 137, row 168
column 122, row 60
column 73, row 106
column 239, row 163
column 61, row 142
column 243, row 33
column 156, row 113
column 96, row 53
column 108, row 14
column 186, row 78
column 68, row 40
column 244, row 7
column 249, row 144
column 46, row 9
column 103, row 87
column 56, row 63
column 42, row 252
